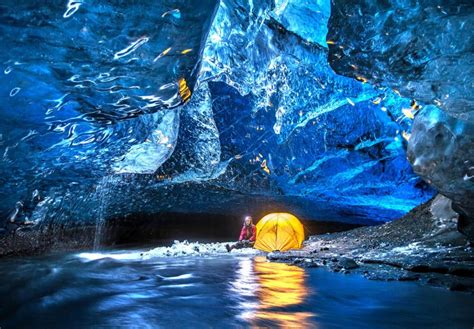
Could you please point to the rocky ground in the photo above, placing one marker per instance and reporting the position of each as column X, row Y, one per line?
column 29, row 241
column 424, row 245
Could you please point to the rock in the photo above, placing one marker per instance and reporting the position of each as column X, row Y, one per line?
column 309, row 262
column 441, row 151
column 409, row 277
column 275, row 255
column 460, row 270
column 466, row 225
column 459, row 286
column 441, row 208
column 347, row 263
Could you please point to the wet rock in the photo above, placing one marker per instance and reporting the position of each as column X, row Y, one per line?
column 409, row 277
column 274, row 255
column 424, row 268
column 458, row 286
column 466, row 225
column 311, row 265
column 462, row 270
column 347, row 263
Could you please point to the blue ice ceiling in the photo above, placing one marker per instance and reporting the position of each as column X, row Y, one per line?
column 98, row 118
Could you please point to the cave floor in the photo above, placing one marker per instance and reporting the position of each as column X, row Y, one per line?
column 418, row 247
column 424, row 246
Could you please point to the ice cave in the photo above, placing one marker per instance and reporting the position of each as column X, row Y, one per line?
column 137, row 136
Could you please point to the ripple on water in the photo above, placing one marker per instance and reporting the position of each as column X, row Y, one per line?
column 223, row 290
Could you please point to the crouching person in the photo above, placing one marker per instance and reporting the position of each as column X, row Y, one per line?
column 247, row 235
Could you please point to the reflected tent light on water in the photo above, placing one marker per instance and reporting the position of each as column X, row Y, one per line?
column 280, row 284
column 279, row 289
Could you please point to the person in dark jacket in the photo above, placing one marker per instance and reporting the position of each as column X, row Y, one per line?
column 247, row 236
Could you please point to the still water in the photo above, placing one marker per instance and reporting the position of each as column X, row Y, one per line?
column 223, row 291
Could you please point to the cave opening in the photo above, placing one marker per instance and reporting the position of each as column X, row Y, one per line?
column 165, row 227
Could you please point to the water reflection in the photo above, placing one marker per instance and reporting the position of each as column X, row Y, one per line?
column 278, row 291
column 120, row 289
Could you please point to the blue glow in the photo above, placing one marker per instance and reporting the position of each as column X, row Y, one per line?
column 94, row 120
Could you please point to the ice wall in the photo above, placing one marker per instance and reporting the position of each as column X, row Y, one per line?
column 99, row 120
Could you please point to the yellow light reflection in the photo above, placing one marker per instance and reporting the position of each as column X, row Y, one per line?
column 279, row 290
column 184, row 91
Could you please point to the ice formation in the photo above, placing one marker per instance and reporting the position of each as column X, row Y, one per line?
column 226, row 107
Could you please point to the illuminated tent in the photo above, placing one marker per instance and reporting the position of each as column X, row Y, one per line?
column 279, row 231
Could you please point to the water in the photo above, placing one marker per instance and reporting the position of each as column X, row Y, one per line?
column 122, row 289
column 103, row 194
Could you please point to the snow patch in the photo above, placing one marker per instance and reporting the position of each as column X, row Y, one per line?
column 185, row 248
column 177, row 249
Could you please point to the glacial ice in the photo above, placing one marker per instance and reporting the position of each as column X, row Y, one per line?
column 423, row 50
column 268, row 119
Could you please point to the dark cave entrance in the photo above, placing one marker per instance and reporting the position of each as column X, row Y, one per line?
column 164, row 228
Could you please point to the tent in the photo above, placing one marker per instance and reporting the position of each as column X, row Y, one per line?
column 279, row 231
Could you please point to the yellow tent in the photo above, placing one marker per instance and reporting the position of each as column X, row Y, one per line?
column 279, row 231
